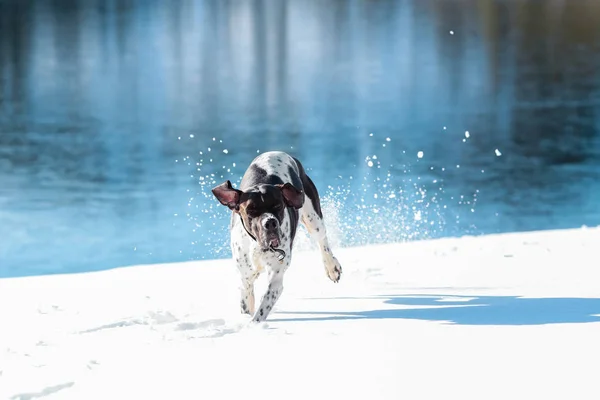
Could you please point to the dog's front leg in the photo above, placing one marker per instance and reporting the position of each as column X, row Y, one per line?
column 248, row 275
column 241, row 255
column 273, row 292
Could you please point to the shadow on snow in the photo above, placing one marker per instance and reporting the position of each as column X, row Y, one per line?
column 467, row 310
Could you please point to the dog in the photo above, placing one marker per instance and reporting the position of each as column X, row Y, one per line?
column 275, row 194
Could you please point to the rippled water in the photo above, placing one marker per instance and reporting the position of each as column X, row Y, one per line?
column 117, row 117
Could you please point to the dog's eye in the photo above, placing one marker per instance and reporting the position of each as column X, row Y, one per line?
column 252, row 212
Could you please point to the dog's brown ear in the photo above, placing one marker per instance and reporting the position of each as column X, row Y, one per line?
column 227, row 195
column 292, row 196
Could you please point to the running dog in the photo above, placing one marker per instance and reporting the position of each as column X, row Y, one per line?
column 274, row 195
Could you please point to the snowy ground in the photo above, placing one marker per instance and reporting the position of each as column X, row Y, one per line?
column 498, row 317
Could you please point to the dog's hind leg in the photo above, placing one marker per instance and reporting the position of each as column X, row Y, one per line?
column 312, row 218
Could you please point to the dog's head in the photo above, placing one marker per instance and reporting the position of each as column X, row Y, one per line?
column 261, row 208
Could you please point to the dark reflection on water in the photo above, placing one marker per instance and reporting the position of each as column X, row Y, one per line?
column 108, row 108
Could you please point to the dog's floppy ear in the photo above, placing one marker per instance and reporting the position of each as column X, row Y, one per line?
column 227, row 195
column 292, row 196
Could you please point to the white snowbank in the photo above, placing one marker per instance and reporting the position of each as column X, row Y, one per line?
column 499, row 317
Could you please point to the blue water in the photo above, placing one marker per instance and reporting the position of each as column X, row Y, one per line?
column 117, row 117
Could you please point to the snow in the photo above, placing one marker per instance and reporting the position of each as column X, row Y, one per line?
column 502, row 316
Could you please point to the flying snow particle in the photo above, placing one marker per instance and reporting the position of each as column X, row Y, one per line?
column 370, row 163
column 498, row 154
column 418, row 216
column 420, row 154
column 226, row 151
column 467, row 134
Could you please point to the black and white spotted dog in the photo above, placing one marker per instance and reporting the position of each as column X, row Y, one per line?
column 275, row 193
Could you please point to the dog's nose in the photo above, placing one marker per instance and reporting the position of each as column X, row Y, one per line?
column 271, row 224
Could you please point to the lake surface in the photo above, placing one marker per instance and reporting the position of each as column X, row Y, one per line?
column 416, row 119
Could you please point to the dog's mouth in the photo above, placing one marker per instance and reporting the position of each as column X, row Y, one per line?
column 269, row 240
column 272, row 245
column 269, row 244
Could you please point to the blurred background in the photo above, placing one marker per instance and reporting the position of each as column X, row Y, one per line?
column 416, row 119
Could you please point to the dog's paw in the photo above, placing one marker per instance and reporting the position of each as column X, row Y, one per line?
column 246, row 307
column 334, row 270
